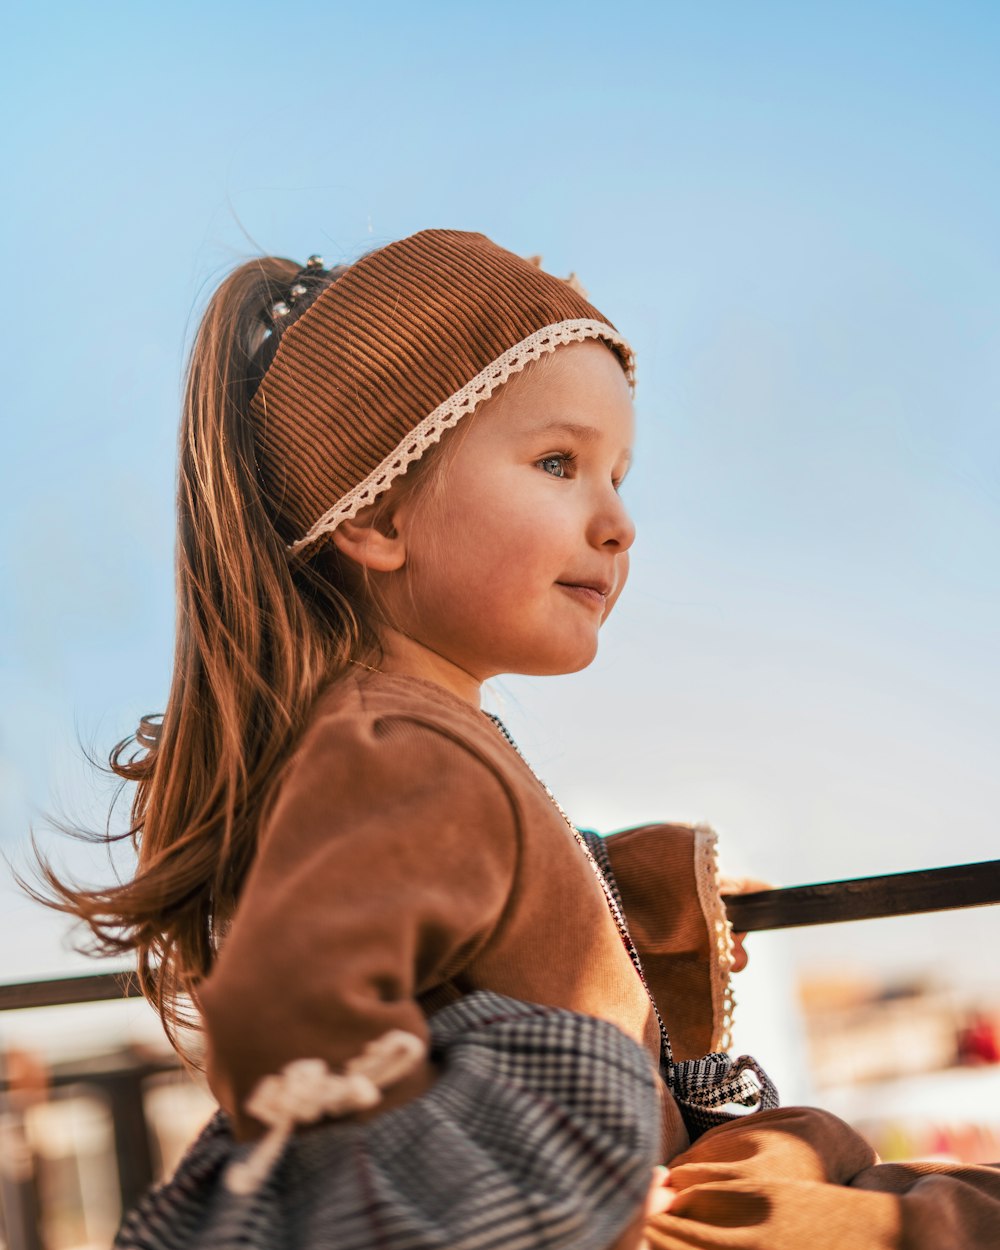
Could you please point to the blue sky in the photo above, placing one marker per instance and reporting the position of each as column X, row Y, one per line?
column 791, row 212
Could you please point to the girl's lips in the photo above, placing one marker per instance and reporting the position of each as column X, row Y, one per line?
column 587, row 594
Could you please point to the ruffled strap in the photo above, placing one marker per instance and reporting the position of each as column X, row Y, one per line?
column 702, row 1087
column 540, row 1132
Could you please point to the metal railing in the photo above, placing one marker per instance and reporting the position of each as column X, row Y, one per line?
column 868, row 898
column 828, row 902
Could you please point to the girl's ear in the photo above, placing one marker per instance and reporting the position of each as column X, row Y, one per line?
column 371, row 540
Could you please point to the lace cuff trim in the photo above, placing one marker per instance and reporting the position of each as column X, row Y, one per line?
column 457, row 406
column 720, row 930
column 306, row 1090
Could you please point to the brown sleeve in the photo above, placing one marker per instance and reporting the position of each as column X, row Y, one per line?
column 385, row 863
column 666, row 877
column 798, row 1176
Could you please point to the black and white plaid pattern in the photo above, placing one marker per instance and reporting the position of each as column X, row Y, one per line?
column 703, row 1087
column 539, row 1135
column 599, row 849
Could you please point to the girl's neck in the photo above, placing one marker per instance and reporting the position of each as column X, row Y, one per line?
column 409, row 658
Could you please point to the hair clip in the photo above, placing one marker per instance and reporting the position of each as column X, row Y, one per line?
column 298, row 290
column 279, row 309
column 315, row 262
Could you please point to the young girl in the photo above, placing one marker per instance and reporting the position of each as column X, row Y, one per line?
column 434, row 1013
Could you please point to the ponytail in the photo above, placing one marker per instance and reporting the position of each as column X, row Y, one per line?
column 256, row 640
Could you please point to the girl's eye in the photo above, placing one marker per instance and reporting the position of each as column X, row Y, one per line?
column 556, row 466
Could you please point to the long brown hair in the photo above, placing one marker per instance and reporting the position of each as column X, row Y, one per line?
column 256, row 640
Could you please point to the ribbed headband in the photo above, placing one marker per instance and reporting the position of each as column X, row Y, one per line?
column 410, row 339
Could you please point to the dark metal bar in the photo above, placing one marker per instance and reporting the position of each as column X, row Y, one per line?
column 132, row 1145
column 62, row 991
column 868, row 898
column 20, row 1213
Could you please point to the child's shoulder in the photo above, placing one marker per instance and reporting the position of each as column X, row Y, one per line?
column 368, row 691
column 378, row 713
column 377, row 741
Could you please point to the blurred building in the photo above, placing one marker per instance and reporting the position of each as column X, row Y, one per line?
column 80, row 1142
column 913, row 1066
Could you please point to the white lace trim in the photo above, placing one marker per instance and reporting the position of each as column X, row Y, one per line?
column 457, row 406
column 720, row 930
column 305, row 1090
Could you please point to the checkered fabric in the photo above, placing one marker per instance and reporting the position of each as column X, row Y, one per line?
column 598, row 848
column 704, row 1087
column 539, row 1135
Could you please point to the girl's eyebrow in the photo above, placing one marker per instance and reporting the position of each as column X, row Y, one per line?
column 585, row 433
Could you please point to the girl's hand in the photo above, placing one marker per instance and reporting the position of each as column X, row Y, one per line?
column 659, row 1199
column 741, row 885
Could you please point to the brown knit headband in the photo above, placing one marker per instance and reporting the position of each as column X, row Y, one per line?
column 410, row 339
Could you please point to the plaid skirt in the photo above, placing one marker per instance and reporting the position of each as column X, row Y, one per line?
column 539, row 1134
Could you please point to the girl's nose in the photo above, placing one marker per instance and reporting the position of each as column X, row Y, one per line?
column 612, row 527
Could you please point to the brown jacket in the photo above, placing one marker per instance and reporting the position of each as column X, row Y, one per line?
column 411, row 857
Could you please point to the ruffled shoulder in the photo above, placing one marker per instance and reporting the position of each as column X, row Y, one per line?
column 667, row 879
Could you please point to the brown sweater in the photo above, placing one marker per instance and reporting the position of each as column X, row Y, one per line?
column 411, row 857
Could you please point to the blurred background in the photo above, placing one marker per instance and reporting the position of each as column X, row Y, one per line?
column 791, row 212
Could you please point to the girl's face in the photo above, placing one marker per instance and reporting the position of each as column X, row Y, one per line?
column 516, row 556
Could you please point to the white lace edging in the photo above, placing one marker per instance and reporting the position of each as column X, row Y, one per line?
column 457, row 406
column 720, row 931
column 305, row 1090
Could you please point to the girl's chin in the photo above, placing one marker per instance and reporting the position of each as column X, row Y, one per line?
column 561, row 664
column 573, row 651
